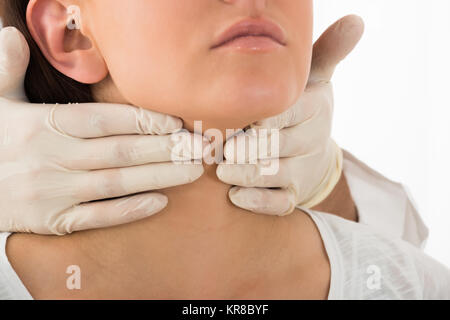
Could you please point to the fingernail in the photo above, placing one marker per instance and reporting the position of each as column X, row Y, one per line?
column 13, row 48
column 228, row 150
column 197, row 172
column 256, row 200
column 9, row 33
column 151, row 205
column 176, row 126
column 245, row 198
column 11, row 39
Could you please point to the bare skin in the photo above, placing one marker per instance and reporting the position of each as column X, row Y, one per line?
column 201, row 246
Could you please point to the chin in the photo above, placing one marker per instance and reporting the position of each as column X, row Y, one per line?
column 255, row 98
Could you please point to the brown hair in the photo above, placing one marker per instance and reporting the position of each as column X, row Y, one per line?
column 43, row 83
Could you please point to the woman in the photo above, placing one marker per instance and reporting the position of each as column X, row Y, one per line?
column 202, row 246
column 100, row 143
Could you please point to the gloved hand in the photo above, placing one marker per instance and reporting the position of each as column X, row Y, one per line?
column 56, row 159
column 310, row 161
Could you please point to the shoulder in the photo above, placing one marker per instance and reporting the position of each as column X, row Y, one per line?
column 373, row 265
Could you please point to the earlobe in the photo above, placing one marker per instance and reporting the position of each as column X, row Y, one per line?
column 67, row 49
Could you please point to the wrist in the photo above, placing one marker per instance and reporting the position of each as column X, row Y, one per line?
column 339, row 202
column 335, row 196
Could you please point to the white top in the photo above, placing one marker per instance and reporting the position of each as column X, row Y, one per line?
column 358, row 253
column 369, row 265
column 11, row 287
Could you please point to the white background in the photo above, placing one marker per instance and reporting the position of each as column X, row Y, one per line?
column 392, row 100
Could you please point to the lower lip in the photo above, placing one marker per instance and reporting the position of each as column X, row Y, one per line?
column 252, row 44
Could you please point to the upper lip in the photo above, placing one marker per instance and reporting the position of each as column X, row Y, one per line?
column 251, row 27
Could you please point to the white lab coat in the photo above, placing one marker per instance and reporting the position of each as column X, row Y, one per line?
column 383, row 204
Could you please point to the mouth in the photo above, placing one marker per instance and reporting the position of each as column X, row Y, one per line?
column 252, row 34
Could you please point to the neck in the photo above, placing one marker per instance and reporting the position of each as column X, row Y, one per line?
column 204, row 204
column 219, row 130
column 200, row 246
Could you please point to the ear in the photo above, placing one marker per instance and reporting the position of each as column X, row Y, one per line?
column 63, row 44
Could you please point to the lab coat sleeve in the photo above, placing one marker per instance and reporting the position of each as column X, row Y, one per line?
column 383, row 204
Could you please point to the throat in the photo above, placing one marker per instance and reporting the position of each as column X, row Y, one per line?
column 202, row 204
column 199, row 247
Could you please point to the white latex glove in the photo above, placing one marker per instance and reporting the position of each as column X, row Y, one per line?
column 310, row 161
column 56, row 159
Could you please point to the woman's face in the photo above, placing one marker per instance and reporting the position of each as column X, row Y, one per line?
column 161, row 55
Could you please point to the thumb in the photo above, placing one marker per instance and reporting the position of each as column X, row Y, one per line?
column 14, row 59
column 334, row 45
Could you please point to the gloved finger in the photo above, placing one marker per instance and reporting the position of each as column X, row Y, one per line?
column 107, row 213
column 14, row 59
column 330, row 49
column 297, row 140
column 132, row 150
column 274, row 202
column 319, row 94
column 113, row 183
column 250, row 175
column 334, row 45
column 94, row 120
